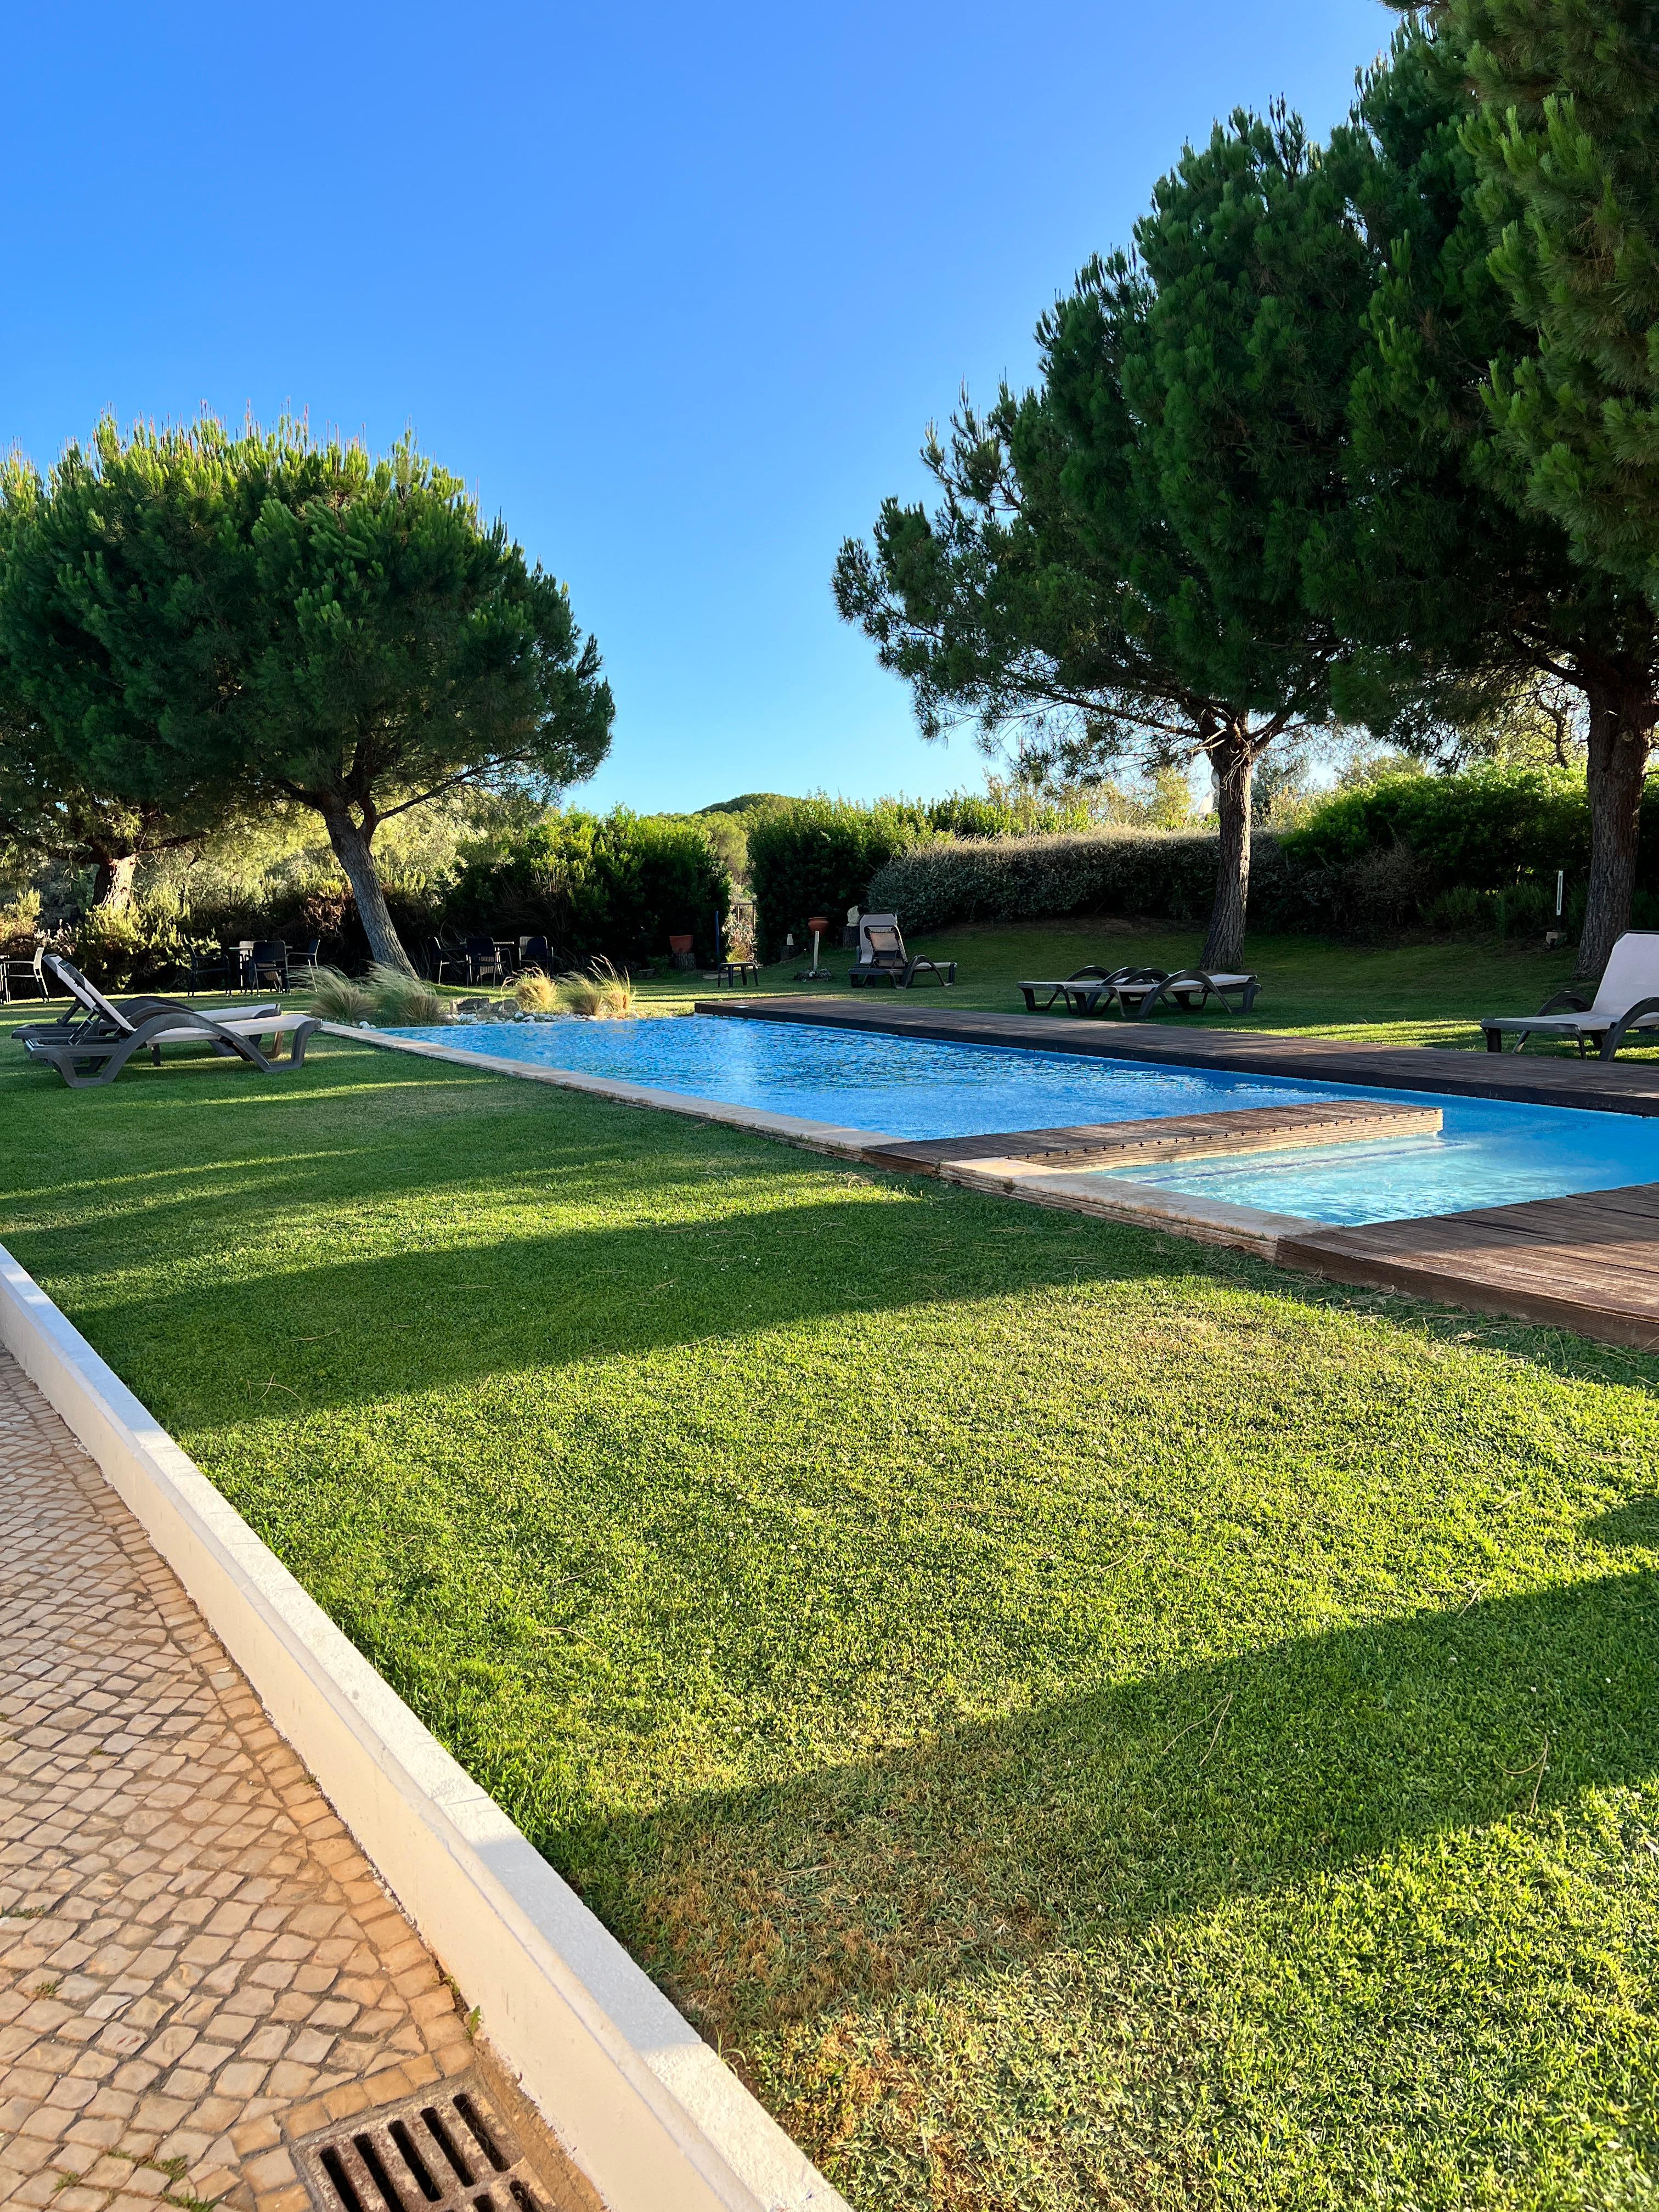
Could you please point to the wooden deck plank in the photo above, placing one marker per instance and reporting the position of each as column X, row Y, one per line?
column 1588, row 1263
column 1254, row 1129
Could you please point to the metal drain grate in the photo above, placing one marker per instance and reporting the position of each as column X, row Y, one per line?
column 451, row 2153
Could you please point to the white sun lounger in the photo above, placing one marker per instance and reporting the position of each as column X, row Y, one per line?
column 1626, row 1003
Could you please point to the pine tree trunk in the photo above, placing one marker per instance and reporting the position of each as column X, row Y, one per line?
column 1618, row 739
column 111, row 886
column 351, row 851
column 1234, row 761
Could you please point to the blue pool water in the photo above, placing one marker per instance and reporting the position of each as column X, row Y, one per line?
column 1490, row 1152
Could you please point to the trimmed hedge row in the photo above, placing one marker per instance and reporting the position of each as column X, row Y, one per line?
column 810, row 856
column 1406, row 851
column 1165, row 872
column 1483, row 829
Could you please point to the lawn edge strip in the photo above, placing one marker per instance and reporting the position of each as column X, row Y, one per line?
column 787, row 1128
column 641, row 2105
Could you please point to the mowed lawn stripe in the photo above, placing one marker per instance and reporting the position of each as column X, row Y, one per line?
column 1082, row 1720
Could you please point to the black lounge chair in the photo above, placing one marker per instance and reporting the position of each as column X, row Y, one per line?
column 96, row 1048
column 1137, row 991
column 883, row 959
column 1083, row 984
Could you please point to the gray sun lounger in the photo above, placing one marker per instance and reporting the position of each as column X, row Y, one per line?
column 1082, row 984
column 1625, row 1004
column 1137, row 991
column 1187, row 990
column 96, row 1048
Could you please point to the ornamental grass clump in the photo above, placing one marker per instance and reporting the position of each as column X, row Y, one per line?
column 339, row 998
column 535, row 992
column 404, row 999
column 602, row 994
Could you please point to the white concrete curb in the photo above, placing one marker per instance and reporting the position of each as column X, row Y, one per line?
column 652, row 2116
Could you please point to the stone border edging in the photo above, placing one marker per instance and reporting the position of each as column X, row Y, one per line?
column 1144, row 1206
column 649, row 2112
column 791, row 1129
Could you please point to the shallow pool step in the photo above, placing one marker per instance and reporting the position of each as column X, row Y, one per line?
column 1178, row 1136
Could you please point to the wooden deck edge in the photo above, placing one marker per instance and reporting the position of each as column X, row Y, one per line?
column 1608, row 1324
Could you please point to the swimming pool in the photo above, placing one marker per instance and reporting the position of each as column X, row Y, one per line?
column 1490, row 1152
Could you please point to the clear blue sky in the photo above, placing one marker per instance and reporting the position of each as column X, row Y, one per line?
column 675, row 289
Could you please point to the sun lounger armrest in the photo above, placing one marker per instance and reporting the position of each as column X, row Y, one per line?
column 1634, row 1017
column 1566, row 1002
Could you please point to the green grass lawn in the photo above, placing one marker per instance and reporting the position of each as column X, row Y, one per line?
column 1081, row 1720
column 1431, row 992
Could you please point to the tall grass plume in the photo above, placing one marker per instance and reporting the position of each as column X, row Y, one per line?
column 339, row 998
column 404, row 999
column 604, row 993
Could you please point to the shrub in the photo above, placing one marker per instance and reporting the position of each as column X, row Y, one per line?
column 602, row 994
column 1481, row 830
column 610, row 887
column 535, row 992
column 819, row 855
column 1162, row 872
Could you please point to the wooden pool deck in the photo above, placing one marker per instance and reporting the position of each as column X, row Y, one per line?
column 1590, row 1263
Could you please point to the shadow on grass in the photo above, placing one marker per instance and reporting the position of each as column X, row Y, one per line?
column 438, row 1319
column 1103, row 1814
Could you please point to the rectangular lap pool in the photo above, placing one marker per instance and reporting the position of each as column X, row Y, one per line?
column 1490, row 1152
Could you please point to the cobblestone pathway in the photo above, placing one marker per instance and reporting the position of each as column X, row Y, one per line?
column 197, row 1965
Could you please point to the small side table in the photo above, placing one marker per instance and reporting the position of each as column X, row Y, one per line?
column 738, row 972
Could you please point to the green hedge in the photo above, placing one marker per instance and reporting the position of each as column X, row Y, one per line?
column 1476, row 850
column 615, row 886
column 1164, row 871
column 818, row 855
column 1482, row 829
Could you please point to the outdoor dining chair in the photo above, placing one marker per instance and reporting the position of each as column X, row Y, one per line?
column 267, row 963
column 483, row 960
column 440, row 955
column 16, row 972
